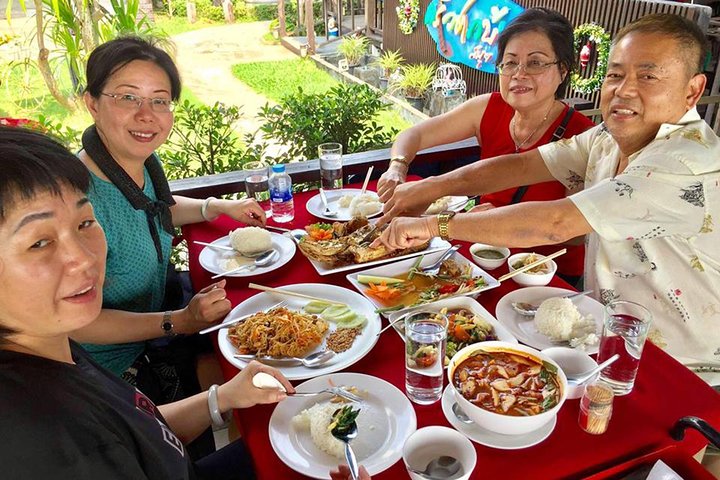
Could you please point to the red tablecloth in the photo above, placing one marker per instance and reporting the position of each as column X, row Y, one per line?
column 664, row 391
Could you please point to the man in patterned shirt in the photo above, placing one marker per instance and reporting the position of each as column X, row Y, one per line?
column 646, row 183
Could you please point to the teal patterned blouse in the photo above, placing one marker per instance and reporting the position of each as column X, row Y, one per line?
column 134, row 279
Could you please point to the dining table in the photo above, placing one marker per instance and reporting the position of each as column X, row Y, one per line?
column 665, row 390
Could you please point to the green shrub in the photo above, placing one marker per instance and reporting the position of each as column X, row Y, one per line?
column 205, row 9
column 343, row 114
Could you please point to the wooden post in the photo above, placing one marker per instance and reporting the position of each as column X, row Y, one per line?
column 191, row 12
column 301, row 13
column 228, row 11
column 281, row 18
column 368, row 29
column 310, row 26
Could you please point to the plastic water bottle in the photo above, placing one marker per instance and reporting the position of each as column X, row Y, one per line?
column 281, row 200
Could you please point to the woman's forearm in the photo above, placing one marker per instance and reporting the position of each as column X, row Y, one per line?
column 188, row 417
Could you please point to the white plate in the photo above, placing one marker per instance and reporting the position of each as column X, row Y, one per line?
column 485, row 437
column 262, row 301
column 386, row 408
column 213, row 259
column 455, row 303
column 398, row 268
column 524, row 327
column 436, row 245
column 456, row 204
column 316, row 207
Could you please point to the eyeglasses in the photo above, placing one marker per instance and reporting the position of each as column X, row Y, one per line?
column 533, row 67
column 128, row 101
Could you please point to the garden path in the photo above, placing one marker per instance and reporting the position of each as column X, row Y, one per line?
column 205, row 58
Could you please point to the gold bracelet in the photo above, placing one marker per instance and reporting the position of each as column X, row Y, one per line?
column 401, row 159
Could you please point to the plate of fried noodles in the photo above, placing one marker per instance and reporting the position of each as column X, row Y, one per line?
column 290, row 331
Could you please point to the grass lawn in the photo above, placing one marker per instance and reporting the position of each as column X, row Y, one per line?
column 277, row 79
column 179, row 24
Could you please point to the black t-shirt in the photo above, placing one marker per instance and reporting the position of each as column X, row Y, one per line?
column 65, row 421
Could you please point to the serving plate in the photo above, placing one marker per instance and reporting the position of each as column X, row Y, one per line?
column 262, row 301
column 213, row 260
column 401, row 267
column 524, row 327
column 456, row 204
column 315, row 206
column 389, row 420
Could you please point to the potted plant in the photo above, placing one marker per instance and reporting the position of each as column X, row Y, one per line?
column 389, row 61
column 415, row 81
column 353, row 48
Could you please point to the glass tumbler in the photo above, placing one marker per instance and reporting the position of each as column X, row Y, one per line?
column 425, row 335
column 330, row 155
column 256, row 184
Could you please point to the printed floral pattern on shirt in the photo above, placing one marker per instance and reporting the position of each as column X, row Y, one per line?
column 694, row 195
column 694, row 135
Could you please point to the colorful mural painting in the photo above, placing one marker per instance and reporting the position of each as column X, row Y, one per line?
column 466, row 31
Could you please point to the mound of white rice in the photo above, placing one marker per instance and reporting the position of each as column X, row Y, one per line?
column 560, row 320
column 249, row 241
column 317, row 419
column 365, row 205
column 438, row 206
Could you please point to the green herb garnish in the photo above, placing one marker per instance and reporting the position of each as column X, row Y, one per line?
column 342, row 420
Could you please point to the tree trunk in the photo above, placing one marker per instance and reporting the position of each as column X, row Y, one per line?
column 44, row 64
column 86, row 25
column 310, row 26
column 281, row 18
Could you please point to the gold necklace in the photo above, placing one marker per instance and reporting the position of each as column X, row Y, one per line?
column 518, row 146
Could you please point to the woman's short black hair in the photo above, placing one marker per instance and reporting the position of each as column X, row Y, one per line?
column 31, row 164
column 558, row 30
column 111, row 56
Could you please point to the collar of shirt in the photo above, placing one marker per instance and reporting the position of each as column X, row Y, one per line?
column 668, row 128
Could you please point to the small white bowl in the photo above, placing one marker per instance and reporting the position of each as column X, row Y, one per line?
column 429, row 443
column 531, row 279
column 572, row 361
column 488, row 263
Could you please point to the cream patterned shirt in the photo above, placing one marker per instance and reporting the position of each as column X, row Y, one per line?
column 656, row 240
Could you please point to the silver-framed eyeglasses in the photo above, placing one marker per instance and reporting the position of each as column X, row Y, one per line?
column 533, row 67
column 128, row 101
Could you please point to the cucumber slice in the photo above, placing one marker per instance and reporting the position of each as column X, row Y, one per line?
column 345, row 317
column 333, row 312
column 378, row 280
column 316, row 307
column 358, row 321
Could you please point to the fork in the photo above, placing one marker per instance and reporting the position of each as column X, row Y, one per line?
column 232, row 322
column 434, row 269
column 340, row 392
column 327, row 212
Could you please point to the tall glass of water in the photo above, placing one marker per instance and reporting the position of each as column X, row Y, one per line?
column 330, row 155
column 256, row 184
column 425, row 334
column 625, row 328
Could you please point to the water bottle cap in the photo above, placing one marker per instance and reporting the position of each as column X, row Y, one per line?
column 279, row 168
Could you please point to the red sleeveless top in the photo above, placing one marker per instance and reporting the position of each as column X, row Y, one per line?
column 494, row 138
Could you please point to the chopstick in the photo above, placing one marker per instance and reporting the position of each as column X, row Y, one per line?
column 367, row 179
column 279, row 229
column 532, row 265
column 212, row 245
column 293, row 294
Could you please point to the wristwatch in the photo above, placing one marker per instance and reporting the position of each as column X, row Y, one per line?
column 400, row 159
column 443, row 220
column 167, row 324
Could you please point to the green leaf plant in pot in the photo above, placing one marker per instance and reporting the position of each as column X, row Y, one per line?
column 389, row 61
column 415, row 82
column 353, row 48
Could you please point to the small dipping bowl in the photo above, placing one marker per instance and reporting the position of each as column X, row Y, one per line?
column 572, row 361
column 489, row 263
column 531, row 279
column 430, row 443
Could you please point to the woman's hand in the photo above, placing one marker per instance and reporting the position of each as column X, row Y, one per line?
column 205, row 309
column 240, row 392
column 405, row 232
column 246, row 211
column 389, row 181
column 343, row 473
column 409, row 199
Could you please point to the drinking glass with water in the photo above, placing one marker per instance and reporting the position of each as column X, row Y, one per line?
column 625, row 328
column 425, row 334
column 256, row 184
column 330, row 155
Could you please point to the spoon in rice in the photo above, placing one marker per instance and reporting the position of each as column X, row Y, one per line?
column 345, row 437
column 529, row 309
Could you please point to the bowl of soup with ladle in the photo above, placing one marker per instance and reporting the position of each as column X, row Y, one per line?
column 507, row 388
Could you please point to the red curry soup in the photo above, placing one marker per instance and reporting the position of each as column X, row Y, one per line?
column 508, row 383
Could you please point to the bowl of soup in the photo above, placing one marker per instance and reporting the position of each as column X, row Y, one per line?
column 507, row 388
column 488, row 257
column 537, row 276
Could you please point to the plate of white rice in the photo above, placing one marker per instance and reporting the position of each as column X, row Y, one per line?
column 576, row 323
column 348, row 202
column 248, row 242
column 298, row 426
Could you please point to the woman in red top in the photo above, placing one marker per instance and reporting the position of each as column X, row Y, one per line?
column 536, row 56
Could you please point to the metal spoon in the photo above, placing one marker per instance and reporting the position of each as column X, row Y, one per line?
column 296, row 234
column 263, row 260
column 580, row 378
column 313, row 360
column 434, row 269
column 327, row 212
column 349, row 454
column 460, row 414
column 444, row 467
column 529, row 310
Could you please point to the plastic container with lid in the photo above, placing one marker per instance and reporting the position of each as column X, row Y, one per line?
column 596, row 408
